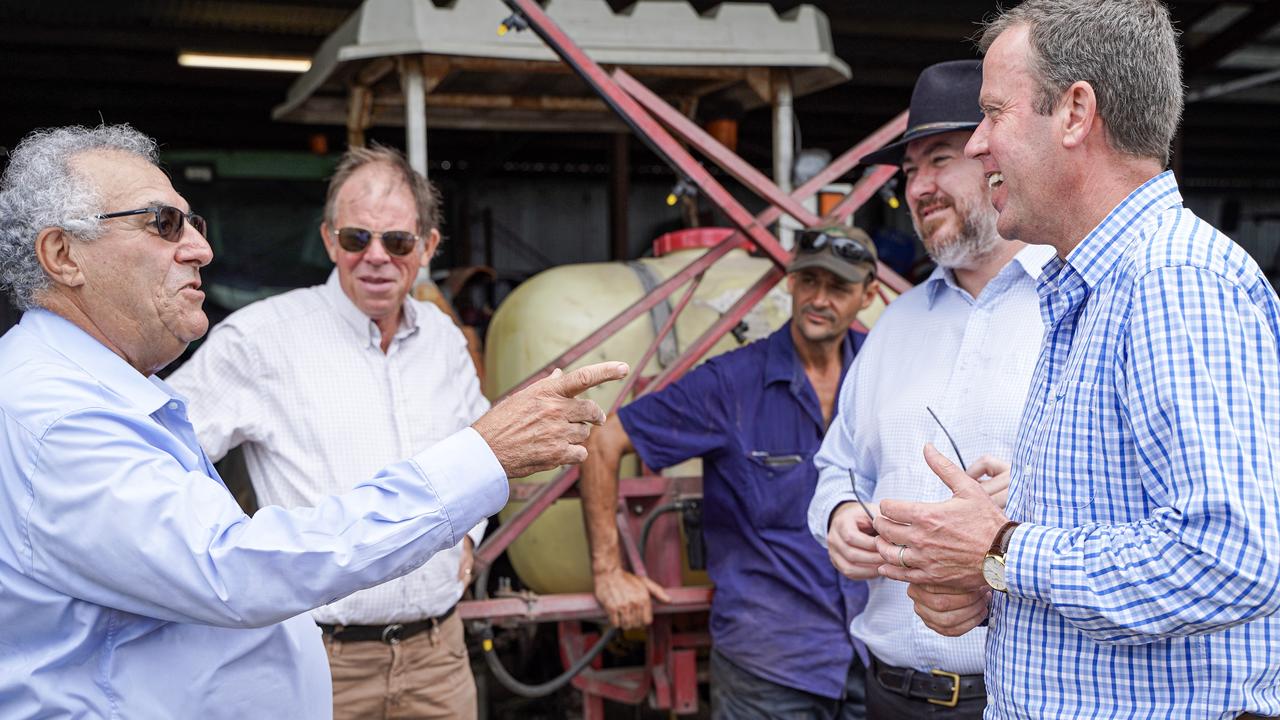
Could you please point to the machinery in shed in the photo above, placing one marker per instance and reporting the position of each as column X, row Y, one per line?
column 582, row 68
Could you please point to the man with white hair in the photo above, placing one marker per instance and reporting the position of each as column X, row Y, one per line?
column 131, row 584
column 930, row 354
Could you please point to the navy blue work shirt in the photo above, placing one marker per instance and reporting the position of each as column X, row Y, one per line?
column 780, row 610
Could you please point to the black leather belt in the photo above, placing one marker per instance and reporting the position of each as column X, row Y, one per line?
column 936, row 686
column 389, row 634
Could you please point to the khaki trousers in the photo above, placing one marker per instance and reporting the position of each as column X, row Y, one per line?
column 425, row 676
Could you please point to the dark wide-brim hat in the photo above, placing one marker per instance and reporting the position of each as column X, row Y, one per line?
column 945, row 99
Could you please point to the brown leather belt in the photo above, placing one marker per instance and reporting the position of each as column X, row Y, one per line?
column 938, row 687
column 389, row 634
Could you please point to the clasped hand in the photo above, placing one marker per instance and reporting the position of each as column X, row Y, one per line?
column 935, row 547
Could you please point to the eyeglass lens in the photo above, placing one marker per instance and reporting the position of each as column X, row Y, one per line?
column 396, row 242
column 169, row 221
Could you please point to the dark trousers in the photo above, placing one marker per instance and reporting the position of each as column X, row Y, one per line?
column 738, row 695
column 884, row 704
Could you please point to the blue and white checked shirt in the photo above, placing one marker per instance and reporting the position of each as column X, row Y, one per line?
column 1145, row 580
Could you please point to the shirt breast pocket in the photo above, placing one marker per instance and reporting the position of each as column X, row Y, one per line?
column 781, row 486
column 1083, row 438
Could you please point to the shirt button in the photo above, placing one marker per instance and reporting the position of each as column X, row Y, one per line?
column 173, row 406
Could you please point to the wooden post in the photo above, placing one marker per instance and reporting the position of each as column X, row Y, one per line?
column 619, row 194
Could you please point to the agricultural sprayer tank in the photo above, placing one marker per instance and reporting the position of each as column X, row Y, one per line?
column 555, row 309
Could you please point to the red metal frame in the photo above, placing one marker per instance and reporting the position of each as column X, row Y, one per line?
column 670, row 673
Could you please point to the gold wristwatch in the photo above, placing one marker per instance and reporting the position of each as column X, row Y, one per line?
column 993, row 563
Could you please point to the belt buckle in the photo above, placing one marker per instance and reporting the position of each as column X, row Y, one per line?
column 955, row 688
column 391, row 635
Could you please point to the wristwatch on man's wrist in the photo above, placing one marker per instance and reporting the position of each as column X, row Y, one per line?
column 993, row 563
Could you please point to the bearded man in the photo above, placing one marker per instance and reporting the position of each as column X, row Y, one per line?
column 960, row 347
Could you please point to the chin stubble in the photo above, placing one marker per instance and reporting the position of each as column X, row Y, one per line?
column 976, row 240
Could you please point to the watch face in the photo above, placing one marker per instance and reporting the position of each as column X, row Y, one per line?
column 993, row 573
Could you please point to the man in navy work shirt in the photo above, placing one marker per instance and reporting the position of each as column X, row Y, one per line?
column 756, row 416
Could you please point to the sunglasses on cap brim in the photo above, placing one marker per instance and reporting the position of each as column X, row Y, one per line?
column 845, row 248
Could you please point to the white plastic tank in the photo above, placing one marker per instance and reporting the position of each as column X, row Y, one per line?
column 555, row 309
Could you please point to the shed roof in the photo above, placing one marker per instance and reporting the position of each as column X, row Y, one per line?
column 476, row 78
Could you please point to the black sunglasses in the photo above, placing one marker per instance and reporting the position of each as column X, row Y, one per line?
column 397, row 242
column 850, row 250
column 168, row 220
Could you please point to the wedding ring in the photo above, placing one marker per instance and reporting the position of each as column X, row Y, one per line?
column 902, row 549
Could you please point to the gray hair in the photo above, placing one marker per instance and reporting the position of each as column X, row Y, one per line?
column 425, row 196
column 40, row 189
column 1126, row 49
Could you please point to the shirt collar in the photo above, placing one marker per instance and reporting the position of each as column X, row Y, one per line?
column 362, row 325
column 1030, row 261
column 111, row 371
column 781, row 362
column 1102, row 248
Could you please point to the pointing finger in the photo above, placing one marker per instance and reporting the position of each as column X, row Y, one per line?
column 573, row 383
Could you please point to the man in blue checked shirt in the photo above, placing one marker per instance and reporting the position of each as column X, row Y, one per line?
column 1137, row 572
column 131, row 584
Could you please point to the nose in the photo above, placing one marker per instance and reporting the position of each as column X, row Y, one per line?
column 922, row 184
column 193, row 247
column 376, row 253
column 821, row 296
column 977, row 145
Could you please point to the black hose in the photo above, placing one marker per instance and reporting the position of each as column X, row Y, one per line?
column 559, row 681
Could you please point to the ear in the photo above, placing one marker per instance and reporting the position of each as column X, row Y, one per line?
column 1078, row 110
column 791, row 283
column 57, row 255
column 869, row 293
column 433, row 243
column 330, row 242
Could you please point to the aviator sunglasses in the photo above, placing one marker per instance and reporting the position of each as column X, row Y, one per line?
column 168, row 220
column 843, row 247
column 397, row 242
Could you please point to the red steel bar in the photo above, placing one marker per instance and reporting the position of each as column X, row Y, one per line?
column 575, row 606
column 838, row 167
column 851, row 157
column 641, row 486
column 657, row 342
column 647, row 128
column 635, row 557
column 491, row 548
column 861, row 192
column 755, row 180
column 727, row 321
column 549, row 493
column 661, row 292
column 729, row 161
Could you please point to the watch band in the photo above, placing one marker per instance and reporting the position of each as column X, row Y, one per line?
column 1000, row 545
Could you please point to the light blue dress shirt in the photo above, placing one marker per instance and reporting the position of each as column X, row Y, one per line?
column 970, row 360
column 1144, row 581
column 131, row 584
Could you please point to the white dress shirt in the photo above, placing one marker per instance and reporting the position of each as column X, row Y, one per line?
column 301, row 380
column 971, row 361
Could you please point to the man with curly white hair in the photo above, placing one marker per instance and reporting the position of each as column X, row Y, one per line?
column 131, row 584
